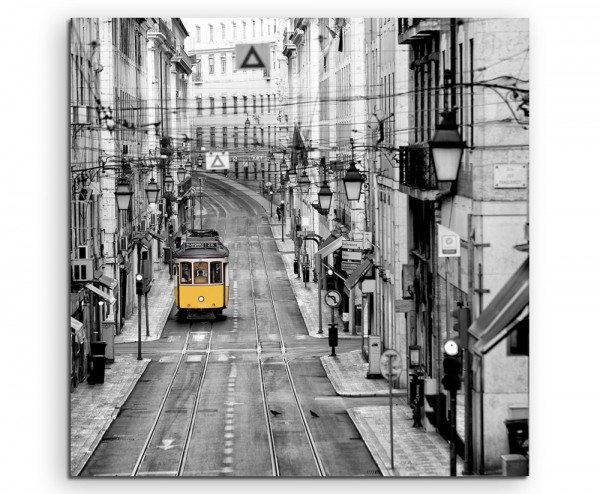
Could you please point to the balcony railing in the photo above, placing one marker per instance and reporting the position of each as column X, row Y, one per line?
column 184, row 61
column 416, row 169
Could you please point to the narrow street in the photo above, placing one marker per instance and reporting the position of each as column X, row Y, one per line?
column 246, row 396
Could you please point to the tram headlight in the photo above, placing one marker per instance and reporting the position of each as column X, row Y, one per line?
column 200, row 298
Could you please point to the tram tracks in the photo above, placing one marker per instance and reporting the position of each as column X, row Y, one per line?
column 282, row 349
column 152, row 437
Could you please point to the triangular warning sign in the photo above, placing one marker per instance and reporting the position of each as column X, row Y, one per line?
column 256, row 64
column 217, row 163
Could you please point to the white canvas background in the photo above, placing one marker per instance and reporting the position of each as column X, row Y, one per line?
column 565, row 116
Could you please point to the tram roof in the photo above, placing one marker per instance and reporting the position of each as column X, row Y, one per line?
column 195, row 253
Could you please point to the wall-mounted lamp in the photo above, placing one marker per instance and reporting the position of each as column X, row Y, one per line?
column 324, row 197
column 353, row 182
column 169, row 182
column 152, row 191
column 447, row 148
column 123, row 194
column 304, row 182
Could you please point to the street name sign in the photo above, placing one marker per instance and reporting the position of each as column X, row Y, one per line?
column 217, row 161
column 252, row 56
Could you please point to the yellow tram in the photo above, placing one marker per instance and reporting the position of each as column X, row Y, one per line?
column 202, row 275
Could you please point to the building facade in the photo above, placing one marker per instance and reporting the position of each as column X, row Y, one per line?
column 238, row 111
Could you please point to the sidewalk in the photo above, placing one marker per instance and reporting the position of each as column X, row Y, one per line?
column 416, row 452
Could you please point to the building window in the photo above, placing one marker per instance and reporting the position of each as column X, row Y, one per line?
column 222, row 31
column 254, row 137
column 199, row 136
column 245, row 137
column 268, row 103
column 224, row 137
column 198, row 106
column 262, row 32
column 262, row 136
column 235, row 137
column 244, row 29
column 223, row 65
column 198, row 38
column 274, row 26
column 224, row 104
column 233, row 67
column 262, row 106
column 212, row 137
column 235, row 105
column 233, row 29
column 254, row 103
column 212, row 106
column 254, row 29
column 211, row 64
column 245, row 104
column 210, row 35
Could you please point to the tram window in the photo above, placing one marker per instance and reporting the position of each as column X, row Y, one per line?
column 200, row 273
column 215, row 273
column 186, row 275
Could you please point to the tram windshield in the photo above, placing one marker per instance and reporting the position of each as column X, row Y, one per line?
column 200, row 273
column 216, row 272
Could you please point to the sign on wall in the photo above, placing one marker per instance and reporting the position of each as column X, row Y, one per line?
column 448, row 242
column 217, row 161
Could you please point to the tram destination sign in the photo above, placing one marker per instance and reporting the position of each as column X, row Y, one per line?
column 205, row 244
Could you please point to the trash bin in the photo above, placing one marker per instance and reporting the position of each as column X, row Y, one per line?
column 305, row 275
column 98, row 348
column 295, row 266
column 98, row 364
column 167, row 255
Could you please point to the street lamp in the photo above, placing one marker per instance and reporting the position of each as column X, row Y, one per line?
column 353, row 182
column 169, row 182
column 180, row 174
column 324, row 197
column 293, row 176
column 152, row 191
column 304, row 182
column 99, row 333
column 123, row 194
column 446, row 148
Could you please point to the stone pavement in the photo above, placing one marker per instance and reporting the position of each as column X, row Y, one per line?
column 416, row 452
column 160, row 303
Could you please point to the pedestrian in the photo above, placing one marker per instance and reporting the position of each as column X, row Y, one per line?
column 279, row 213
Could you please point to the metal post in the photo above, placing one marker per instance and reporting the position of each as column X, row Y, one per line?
column 147, row 321
column 389, row 364
column 271, row 208
column 283, row 220
column 201, row 204
column 139, row 357
column 319, row 268
column 170, row 256
column 468, row 465
column 452, row 433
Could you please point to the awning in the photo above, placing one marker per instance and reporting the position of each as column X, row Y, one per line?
column 107, row 281
column 358, row 274
column 327, row 247
column 503, row 314
column 77, row 327
column 109, row 298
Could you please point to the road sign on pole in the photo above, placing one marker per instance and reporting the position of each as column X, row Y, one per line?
column 217, row 161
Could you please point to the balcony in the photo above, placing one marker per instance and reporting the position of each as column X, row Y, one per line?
column 183, row 61
column 197, row 77
column 161, row 31
column 416, row 169
column 416, row 29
